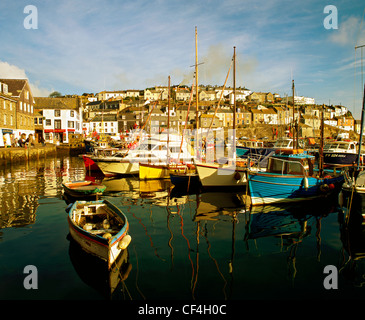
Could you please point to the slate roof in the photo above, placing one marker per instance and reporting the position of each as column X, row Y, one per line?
column 15, row 86
column 56, row 103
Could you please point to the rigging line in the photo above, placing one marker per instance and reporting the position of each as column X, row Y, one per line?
column 362, row 72
column 358, row 32
column 187, row 118
column 216, row 109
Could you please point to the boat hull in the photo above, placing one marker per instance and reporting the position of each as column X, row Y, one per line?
column 182, row 179
column 90, row 164
column 221, row 175
column 83, row 188
column 153, row 171
column 110, row 168
column 339, row 158
column 158, row 171
column 268, row 188
column 105, row 249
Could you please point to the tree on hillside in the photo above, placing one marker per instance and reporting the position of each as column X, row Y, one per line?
column 55, row 94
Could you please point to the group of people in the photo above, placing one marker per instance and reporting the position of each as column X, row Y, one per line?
column 22, row 142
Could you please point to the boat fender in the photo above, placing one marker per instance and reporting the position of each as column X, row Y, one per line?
column 237, row 175
column 88, row 227
column 106, row 224
column 124, row 243
column 107, row 235
column 324, row 187
column 305, row 183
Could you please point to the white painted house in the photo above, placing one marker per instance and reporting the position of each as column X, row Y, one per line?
column 102, row 124
column 61, row 117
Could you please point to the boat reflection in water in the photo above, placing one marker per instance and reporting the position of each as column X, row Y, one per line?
column 290, row 225
column 93, row 271
column 352, row 229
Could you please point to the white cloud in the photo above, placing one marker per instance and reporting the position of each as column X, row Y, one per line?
column 348, row 33
column 9, row 71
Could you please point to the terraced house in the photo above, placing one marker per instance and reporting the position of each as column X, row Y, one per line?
column 21, row 97
column 7, row 115
column 61, row 117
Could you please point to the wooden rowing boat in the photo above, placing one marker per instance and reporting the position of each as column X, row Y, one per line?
column 83, row 188
column 100, row 228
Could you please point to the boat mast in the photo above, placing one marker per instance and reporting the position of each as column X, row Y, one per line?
column 234, row 87
column 320, row 160
column 361, row 128
column 196, row 80
column 234, row 104
column 294, row 140
column 168, row 122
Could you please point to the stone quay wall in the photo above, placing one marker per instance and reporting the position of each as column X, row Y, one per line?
column 16, row 155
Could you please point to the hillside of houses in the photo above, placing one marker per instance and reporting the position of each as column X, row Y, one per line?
column 258, row 114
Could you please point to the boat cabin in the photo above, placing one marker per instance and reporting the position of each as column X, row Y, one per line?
column 284, row 143
column 251, row 144
column 291, row 163
column 340, row 146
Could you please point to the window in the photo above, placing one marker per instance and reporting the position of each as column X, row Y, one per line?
column 57, row 124
column 71, row 124
column 35, row 121
column 48, row 122
column 57, row 113
column 72, row 113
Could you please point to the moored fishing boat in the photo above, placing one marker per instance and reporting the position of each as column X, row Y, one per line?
column 99, row 152
column 157, row 149
column 159, row 170
column 90, row 164
column 290, row 177
column 185, row 179
column 100, row 228
column 340, row 153
column 83, row 188
column 354, row 184
column 216, row 174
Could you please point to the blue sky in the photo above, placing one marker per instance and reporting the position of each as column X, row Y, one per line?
column 89, row 46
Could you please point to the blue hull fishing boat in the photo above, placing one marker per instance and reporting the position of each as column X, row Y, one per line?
column 290, row 177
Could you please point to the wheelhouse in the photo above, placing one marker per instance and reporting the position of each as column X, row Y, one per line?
column 291, row 164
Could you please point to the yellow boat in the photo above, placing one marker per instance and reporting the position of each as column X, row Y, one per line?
column 159, row 170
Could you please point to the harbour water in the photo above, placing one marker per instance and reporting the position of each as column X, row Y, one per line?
column 184, row 247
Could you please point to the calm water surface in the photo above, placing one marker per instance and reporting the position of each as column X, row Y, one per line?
column 184, row 247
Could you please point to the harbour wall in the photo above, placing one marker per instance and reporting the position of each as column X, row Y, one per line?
column 18, row 155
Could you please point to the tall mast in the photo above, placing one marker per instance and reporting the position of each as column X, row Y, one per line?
column 168, row 120
column 294, row 142
column 234, row 87
column 196, row 79
column 361, row 128
column 320, row 160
